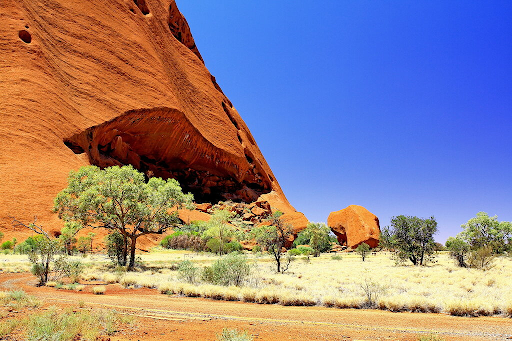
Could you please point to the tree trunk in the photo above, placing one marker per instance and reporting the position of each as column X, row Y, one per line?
column 125, row 251
column 132, row 254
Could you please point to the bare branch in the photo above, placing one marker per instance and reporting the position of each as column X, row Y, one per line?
column 35, row 228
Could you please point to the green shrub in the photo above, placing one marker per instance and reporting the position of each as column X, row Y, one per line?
column 214, row 245
column 7, row 245
column 295, row 252
column 256, row 249
column 71, row 269
column 187, row 271
column 337, row 257
column 28, row 246
column 234, row 335
column 318, row 236
column 232, row 269
column 233, row 247
column 305, row 250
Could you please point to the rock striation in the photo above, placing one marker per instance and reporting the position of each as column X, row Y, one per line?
column 113, row 82
column 355, row 225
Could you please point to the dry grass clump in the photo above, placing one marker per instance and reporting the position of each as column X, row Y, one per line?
column 99, row 290
column 234, row 335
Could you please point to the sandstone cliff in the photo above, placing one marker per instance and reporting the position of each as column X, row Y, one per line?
column 113, row 82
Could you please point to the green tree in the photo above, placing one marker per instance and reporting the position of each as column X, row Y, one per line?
column 218, row 228
column 459, row 250
column 363, row 250
column 274, row 237
column 316, row 235
column 484, row 231
column 115, row 243
column 43, row 252
column 118, row 198
column 411, row 237
column 1, row 236
column 67, row 237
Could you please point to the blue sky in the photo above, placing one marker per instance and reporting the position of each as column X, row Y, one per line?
column 404, row 107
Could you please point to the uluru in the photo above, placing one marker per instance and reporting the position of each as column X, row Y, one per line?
column 115, row 82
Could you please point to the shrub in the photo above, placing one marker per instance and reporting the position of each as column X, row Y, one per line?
column 372, row 290
column 187, row 271
column 482, row 258
column 28, row 246
column 317, row 236
column 256, row 249
column 234, row 335
column 232, row 269
column 99, row 290
column 184, row 241
column 72, row 269
column 233, row 247
column 337, row 257
column 305, row 250
column 214, row 245
column 295, row 252
column 7, row 245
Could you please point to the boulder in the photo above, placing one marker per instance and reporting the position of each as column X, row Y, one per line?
column 355, row 225
column 115, row 82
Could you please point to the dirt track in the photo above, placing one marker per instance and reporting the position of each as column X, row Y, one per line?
column 177, row 318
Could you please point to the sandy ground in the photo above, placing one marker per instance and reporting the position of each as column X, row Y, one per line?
column 165, row 317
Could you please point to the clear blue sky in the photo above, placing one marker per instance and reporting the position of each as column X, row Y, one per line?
column 404, row 107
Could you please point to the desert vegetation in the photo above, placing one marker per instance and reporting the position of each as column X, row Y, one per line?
column 407, row 272
column 22, row 320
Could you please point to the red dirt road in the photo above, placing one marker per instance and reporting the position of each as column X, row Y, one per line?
column 178, row 318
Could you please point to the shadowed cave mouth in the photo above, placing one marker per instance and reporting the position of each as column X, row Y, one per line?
column 108, row 145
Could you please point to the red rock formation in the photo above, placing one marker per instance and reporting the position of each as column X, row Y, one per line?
column 355, row 225
column 115, row 82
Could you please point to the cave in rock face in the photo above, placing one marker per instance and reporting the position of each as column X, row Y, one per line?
column 162, row 142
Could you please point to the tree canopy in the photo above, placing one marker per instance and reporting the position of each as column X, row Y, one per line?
column 119, row 198
column 411, row 237
column 316, row 235
column 484, row 231
column 274, row 237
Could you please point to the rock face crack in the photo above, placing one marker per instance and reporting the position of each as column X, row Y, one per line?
column 162, row 142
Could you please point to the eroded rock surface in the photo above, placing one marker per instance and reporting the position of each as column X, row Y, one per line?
column 114, row 82
column 355, row 225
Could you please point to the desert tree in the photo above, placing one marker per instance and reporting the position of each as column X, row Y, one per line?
column 411, row 238
column 459, row 250
column 119, row 199
column 220, row 229
column 484, row 231
column 274, row 237
column 363, row 249
column 43, row 252
column 316, row 235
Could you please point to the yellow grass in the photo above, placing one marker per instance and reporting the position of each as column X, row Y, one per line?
column 439, row 287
